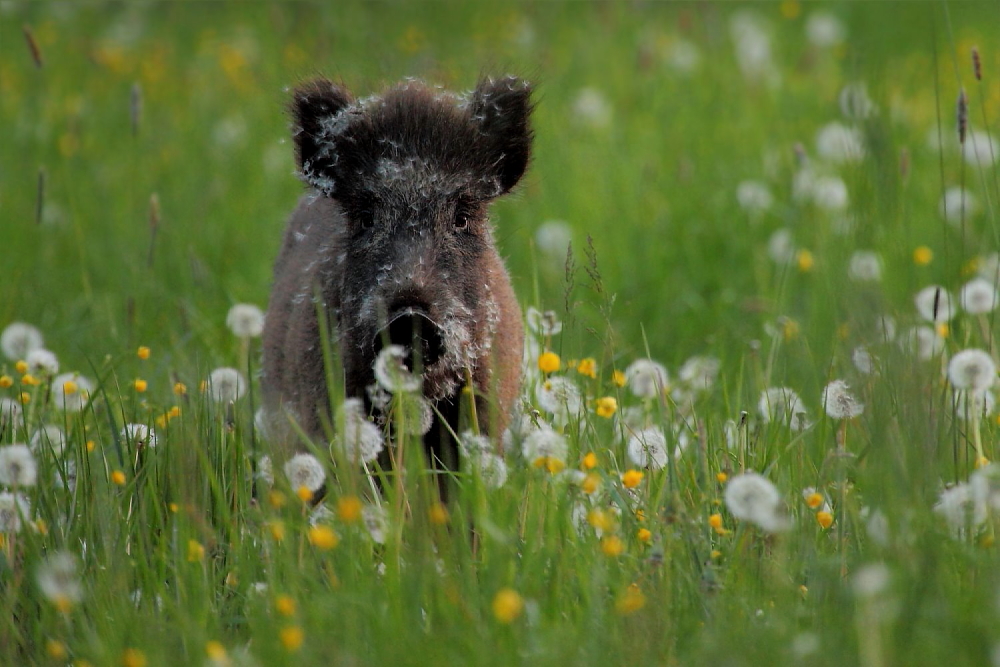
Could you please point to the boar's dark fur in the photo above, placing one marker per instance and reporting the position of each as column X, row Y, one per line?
column 395, row 228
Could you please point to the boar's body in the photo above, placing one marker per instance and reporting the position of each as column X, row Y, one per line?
column 394, row 239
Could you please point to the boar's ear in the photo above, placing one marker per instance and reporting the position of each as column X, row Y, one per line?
column 318, row 111
column 501, row 107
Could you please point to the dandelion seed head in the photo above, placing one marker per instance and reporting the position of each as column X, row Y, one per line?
column 752, row 497
column 648, row 448
column 978, row 297
column 871, row 581
column 824, row 30
column 865, row 266
column 362, row 440
column 647, row 378
column 829, row 193
column 754, row 197
column 935, row 304
column 922, row 341
column 305, row 470
column 57, row 578
column 391, row 372
column 42, row 362
column 15, row 510
column 957, row 202
column 972, row 370
column 781, row 247
column 700, row 372
column 560, row 397
column 591, row 107
column 226, row 385
column 974, row 404
column 840, row 144
column 245, row 320
column 545, row 323
column 71, row 391
column 376, row 522
column 49, row 436
column 863, row 360
column 17, row 466
column 855, row 103
column 10, row 412
column 782, row 405
column 988, row 268
column 960, row 508
column 544, row 444
column 20, row 338
column 553, row 239
column 839, row 403
column 139, row 435
column 980, row 149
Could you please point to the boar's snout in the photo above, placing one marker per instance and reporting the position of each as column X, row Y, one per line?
column 411, row 327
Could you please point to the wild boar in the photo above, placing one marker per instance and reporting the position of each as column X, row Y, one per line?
column 393, row 244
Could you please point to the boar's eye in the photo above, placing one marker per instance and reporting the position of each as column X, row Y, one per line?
column 364, row 213
column 464, row 213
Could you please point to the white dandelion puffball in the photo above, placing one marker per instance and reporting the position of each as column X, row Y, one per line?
column 855, row 103
column 752, row 497
column 647, row 378
column 553, row 239
column 829, row 193
column 935, row 304
column 391, row 372
column 226, row 385
column 42, row 362
column 57, row 578
column 362, row 440
column 885, row 328
column 305, row 470
column 839, row 403
column 781, row 246
column 591, row 108
column 988, row 267
column 863, row 360
column 14, row 511
column 974, row 404
column 960, row 508
column 18, row 339
column 544, row 444
column 49, row 436
column 783, row 406
column 492, row 469
column 648, row 447
column 956, row 202
column 71, row 391
column 865, row 266
column 17, row 466
column 376, row 522
column 682, row 56
column 978, row 296
column 980, row 149
column 752, row 45
column 972, row 370
column 754, row 197
column 470, row 444
column 871, row 581
column 839, row 144
column 544, row 324
column 264, row 470
column 700, row 372
column 560, row 397
column 10, row 412
column 139, row 435
column 824, row 30
column 923, row 342
column 245, row 320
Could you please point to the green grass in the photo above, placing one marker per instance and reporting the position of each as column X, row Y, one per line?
column 665, row 262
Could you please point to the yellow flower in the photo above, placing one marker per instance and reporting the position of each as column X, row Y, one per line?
column 140, row 385
column 292, row 637
column 548, row 362
column 632, row 478
column 438, row 514
column 6, row 382
column 173, row 507
column 715, row 521
column 814, row 500
column 133, row 657
column 640, row 515
column 285, row 605
column 923, row 256
column 277, row 530
column 55, row 649
column 715, row 554
column 142, row 352
column 304, row 494
column 63, row 603
column 791, row 9
column 30, row 380
column 805, row 261
column 618, row 378
column 180, row 388
column 507, row 605
column 349, row 508
column 118, row 477
column 943, row 330
column 161, row 422
column 982, row 462
column 607, row 406
column 790, row 329
column 600, row 519
column 276, row 499
column 215, row 651
column 41, row 527
column 196, row 552
column 590, row 461
column 70, row 387
column 588, row 367
column 824, row 519
column 644, row 535
column 174, row 412
column 25, row 398
column 323, row 538
column 590, row 483
column 843, row 331
column 21, row 367
column 721, row 477
column 612, row 546
column 632, row 601
column 91, row 446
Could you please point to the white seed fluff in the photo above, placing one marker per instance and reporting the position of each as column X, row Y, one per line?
column 978, row 296
column 839, row 403
column 544, row 444
column 305, row 470
column 362, row 440
column 956, row 204
column 972, row 370
column 647, row 378
column 17, row 466
column 935, row 304
column 923, row 342
column 839, row 144
column 42, row 362
column 783, row 406
column 865, row 266
column 18, row 339
column 648, row 448
column 560, row 397
column 245, row 320
column 754, row 197
column 14, row 511
column 10, row 412
column 752, row 497
column 544, row 324
column 48, row 436
column 226, row 385
column 57, row 578
column 71, row 391
column 139, row 435
column 391, row 372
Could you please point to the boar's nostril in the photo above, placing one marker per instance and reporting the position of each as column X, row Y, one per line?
column 415, row 331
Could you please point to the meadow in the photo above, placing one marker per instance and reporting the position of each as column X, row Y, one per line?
column 757, row 252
